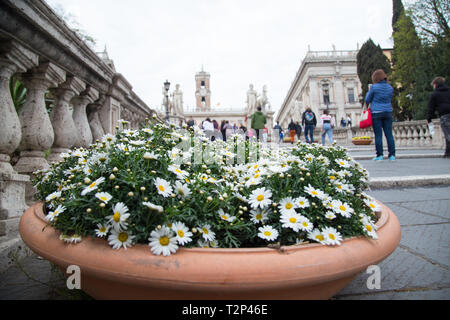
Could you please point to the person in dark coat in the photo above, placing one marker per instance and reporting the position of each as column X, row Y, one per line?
column 440, row 103
column 309, row 122
column 298, row 130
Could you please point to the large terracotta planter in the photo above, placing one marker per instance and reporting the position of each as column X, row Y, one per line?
column 362, row 142
column 311, row 271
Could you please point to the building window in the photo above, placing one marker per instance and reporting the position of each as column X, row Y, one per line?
column 351, row 95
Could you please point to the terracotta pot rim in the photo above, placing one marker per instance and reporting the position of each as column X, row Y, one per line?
column 382, row 220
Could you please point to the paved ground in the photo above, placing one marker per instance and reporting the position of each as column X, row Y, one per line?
column 417, row 269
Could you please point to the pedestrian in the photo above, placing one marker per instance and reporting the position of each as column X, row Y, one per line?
column 265, row 134
column 222, row 130
column 190, row 122
column 379, row 97
column 208, row 128
column 298, row 130
column 258, row 122
column 440, row 102
column 309, row 122
column 278, row 130
column 215, row 124
column 343, row 122
column 292, row 132
column 349, row 122
column 327, row 124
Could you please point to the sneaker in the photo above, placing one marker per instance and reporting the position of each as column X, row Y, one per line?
column 378, row 158
column 392, row 158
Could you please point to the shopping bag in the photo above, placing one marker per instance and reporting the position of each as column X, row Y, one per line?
column 366, row 119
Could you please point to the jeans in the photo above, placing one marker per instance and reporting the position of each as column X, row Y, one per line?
column 309, row 130
column 382, row 121
column 327, row 130
column 445, row 125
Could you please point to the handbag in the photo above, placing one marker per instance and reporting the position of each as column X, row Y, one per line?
column 366, row 119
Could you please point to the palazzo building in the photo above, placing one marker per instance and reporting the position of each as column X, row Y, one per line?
column 325, row 80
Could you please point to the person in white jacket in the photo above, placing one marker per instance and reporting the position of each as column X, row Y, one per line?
column 327, row 123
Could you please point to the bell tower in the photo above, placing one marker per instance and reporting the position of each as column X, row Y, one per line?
column 202, row 91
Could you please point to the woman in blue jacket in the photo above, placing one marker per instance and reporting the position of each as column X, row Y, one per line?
column 379, row 97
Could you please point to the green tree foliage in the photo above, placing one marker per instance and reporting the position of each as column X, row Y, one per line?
column 18, row 93
column 397, row 11
column 370, row 58
column 431, row 19
column 405, row 56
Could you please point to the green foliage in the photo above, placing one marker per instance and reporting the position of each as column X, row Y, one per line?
column 431, row 19
column 405, row 56
column 18, row 93
column 397, row 11
column 370, row 58
column 223, row 180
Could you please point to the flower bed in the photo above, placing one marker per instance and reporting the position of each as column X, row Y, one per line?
column 169, row 188
column 364, row 140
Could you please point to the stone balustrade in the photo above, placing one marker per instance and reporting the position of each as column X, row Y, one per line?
column 89, row 97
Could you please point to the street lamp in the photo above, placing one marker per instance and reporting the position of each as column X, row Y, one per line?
column 167, row 87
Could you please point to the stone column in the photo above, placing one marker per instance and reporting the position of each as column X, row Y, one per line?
column 80, row 116
column 94, row 119
column 37, row 130
column 13, row 58
column 66, row 133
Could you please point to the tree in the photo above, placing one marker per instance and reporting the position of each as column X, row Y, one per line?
column 431, row 19
column 370, row 58
column 398, row 10
column 406, row 49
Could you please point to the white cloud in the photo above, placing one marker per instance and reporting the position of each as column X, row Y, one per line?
column 238, row 42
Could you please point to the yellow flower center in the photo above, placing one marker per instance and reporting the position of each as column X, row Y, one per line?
column 331, row 236
column 342, row 163
column 123, row 236
column 305, row 224
column 93, row 184
column 343, row 208
column 302, row 203
column 320, row 237
column 332, row 177
column 116, row 217
column 314, row 193
column 292, row 220
column 369, row 227
column 103, row 198
column 180, row 233
column 224, row 217
column 102, row 229
column 178, row 170
column 164, row 241
column 289, row 205
column 180, row 191
column 256, row 176
column 371, row 205
column 260, row 197
column 205, row 231
column 259, row 216
column 267, row 233
column 161, row 188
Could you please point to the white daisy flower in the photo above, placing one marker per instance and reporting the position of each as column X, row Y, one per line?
column 332, row 236
column 118, row 239
column 314, row 192
column 268, row 233
column 148, row 130
column 150, row 156
column 305, row 224
column 330, row 215
column 369, row 227
column 153, row 206
column 120, row 216
column 260, row 198
column 103, row 196
column 75, row 238
column 372, row 204
column 102, row 230
column 287, row 205
column 342, row 208
column 343, row 163
column 203, row 244
column 207, row 233
column 65, row 238
column 182, row 189
column 163, row 187
column 291, row 220
column 259, row 215
column 53, row 196
column 302, row 202
column 162, row 241
column 181, row 174
column 53, row 214
column 183, row 235
column 226, row 216
column 317, row 236
column 92, row 186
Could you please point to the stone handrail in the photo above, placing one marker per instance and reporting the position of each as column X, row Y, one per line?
column 37, row 47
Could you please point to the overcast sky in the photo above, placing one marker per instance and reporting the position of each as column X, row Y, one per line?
column 239, row 42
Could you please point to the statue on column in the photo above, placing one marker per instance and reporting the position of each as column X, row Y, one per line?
column 177, row 100
column 251, row 100
column 263, row 101
column 164, row 102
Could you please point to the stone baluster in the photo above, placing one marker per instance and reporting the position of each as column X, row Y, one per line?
column 404, row 138
column 80, row 116
column 408, row 134
column 13, row 58
column 66, row 133
column 94, row 118
column 37, row 130
column 422, row 131
column 427, row 135
column 415, row 135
